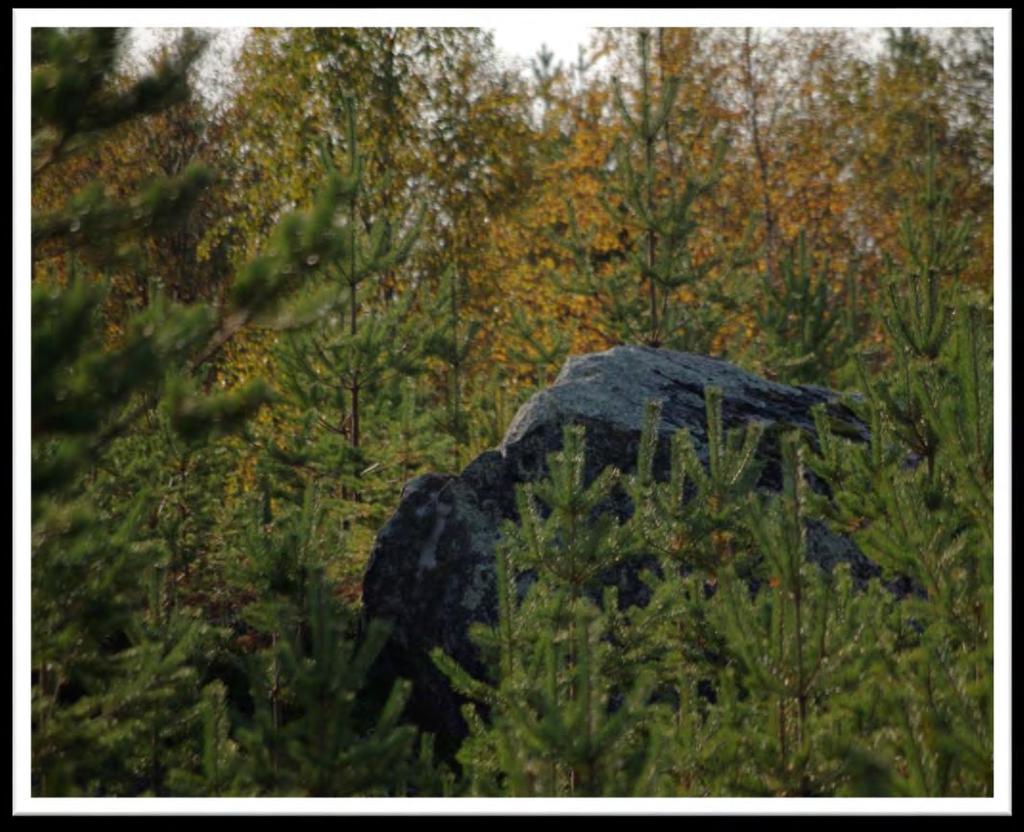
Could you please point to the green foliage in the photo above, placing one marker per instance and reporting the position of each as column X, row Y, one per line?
column 122, row 529
column 799, row 646
column 80, row 384
column 546, row 360
column 198, row 534
column 928, row 517
column 557, row 725
column 305, row 738
column 692, row 521
column 111, row 652
column 661, row 260
column 576, row 541
column 935, row 253
column 71, row 95
column 219, row 774
column 346, row 352
column 811, row 328
column 451, row 342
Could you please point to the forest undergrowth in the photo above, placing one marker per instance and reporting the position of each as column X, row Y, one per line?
column 256, row 316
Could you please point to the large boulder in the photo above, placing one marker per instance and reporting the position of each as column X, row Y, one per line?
column 431, row 573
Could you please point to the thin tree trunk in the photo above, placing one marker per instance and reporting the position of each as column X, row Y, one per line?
column 456, row 385
column 652, row 289
column 761, row 158
column 353, row 286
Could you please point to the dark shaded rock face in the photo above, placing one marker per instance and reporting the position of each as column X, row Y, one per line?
column 431, row 572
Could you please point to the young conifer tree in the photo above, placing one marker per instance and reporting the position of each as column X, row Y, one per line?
column 342, row 359
column 451, row 341
column 699, row 524
column 355, row 340
column 811, row 328
column 557, row 725
column 798, row 648
column 762, row 650
column 312, row 733
column 108, row 654
column 544, row 352
column 111, row 653
column 918, row 500
column 641, row 300
column 692, row 524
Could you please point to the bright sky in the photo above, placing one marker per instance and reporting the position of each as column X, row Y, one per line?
column 519, row 33
column 524, row 40
column 520, row 37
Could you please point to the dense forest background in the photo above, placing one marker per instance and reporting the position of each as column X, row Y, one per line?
column 256, row 315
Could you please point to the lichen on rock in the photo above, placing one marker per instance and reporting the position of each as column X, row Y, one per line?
column 431, row 572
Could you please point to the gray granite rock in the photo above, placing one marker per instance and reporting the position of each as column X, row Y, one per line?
column 431, row 572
